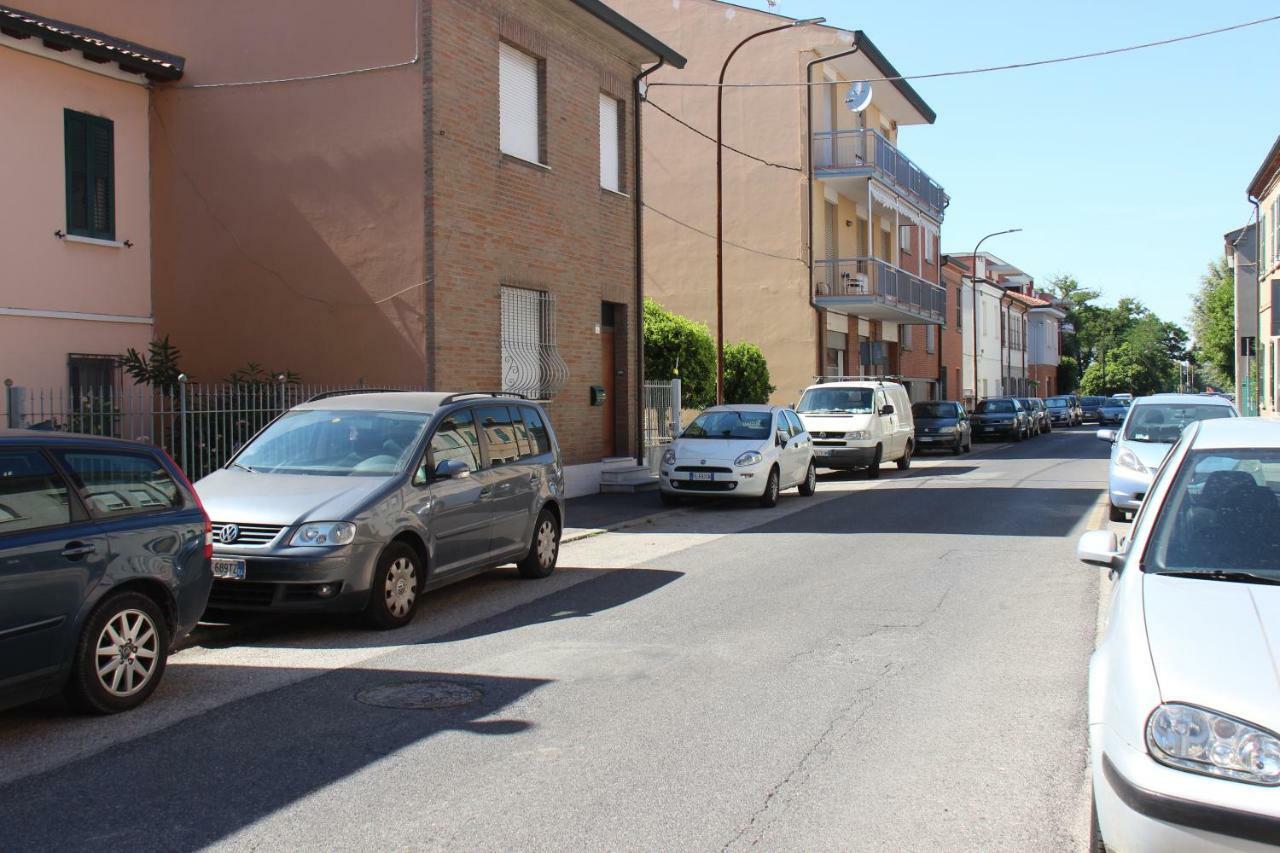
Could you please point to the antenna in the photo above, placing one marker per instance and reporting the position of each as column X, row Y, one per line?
column 859, row 97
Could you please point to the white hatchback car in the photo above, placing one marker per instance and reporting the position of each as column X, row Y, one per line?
column 746, row 451
column 1184, row 688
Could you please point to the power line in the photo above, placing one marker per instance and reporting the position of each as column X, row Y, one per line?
column 705, row 136
column 695, row 228
column 1016, row 65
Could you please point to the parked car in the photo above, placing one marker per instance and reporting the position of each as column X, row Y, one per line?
column 859, row 424
column 1113, row 411
column 1036, row 412
column 1001, row 417
column 104, row 565
column 1060, row 411
column 365, row 501
column 1125, row 395
column 1089, row 407
column 1184, row 706
column 739, row 451
column 942, row 424
column 1151, row 428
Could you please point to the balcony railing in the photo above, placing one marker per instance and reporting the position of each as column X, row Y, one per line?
column 873, row 282
column 865, row 151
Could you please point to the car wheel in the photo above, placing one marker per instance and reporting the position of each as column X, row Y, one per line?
column 121, row 655
column 1117, row 514
column 904, row 461
column 544, row 549
column 810, row 483
column 959, row 448
column 669, row 499
column 1096, row 844
column 770, row 496
column 873, row 470
column 1017, row 435
column 397, row 582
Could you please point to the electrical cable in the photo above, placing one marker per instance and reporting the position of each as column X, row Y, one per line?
column 710, row 138
column 698, row 230
column 1012, row 66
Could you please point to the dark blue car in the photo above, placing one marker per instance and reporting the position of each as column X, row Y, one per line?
column 104, row 564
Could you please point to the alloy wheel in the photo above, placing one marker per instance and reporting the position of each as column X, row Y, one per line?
column 127, row 651
column 401, row 587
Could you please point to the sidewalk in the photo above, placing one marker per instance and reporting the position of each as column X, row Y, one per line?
column 592, row 514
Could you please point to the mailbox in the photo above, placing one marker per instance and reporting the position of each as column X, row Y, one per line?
column 598, row 395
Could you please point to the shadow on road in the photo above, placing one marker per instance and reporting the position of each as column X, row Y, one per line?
column 205, row 778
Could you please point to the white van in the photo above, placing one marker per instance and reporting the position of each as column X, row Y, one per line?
column 859, row 423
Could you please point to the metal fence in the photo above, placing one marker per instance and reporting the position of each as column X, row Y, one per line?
column 661, row 412
column 200, row 425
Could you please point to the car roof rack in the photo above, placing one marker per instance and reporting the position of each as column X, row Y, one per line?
column 463, row 395
column 342, row 393
column 823, row 380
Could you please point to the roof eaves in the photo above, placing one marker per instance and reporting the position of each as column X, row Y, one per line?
column 1270, row 165
column 629, row 29
column 95, row 46
column 886, row 68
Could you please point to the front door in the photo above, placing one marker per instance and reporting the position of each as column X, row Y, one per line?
column 457, row 512
column 49, row 556
column 608, row 381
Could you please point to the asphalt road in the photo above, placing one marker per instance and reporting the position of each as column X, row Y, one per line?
column 892, row 665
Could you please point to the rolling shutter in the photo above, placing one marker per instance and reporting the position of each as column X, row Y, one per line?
column 519, row 98
column 610, row 161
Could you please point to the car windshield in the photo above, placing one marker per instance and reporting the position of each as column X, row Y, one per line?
column 1091, row 401
column 1116, row 404
column 1221, row 516
column 335, row 443
column 745, row 425
column 995, row 407
column 933, row 410
column 837, row 401
column 1055, row 403
column 1163, row 423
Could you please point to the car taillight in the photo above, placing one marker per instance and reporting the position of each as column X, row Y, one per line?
column 191, row 489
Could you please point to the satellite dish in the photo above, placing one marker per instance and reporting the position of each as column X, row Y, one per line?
column 859, row 97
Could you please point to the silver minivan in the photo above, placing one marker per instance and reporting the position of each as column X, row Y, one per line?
column 364, row 501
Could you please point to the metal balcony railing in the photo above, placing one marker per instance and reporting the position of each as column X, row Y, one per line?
column 855, row 278
column 866, row 151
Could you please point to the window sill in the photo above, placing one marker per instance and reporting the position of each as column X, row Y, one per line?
column 512, row 158
column 93, row 241
column 615, row 193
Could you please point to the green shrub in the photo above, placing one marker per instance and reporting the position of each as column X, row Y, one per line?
column 677, row 346
column 746, row 374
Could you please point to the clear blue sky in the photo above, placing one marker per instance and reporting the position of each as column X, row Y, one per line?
column 1124, row 171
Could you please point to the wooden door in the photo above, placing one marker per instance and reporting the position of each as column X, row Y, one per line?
column 608, row 380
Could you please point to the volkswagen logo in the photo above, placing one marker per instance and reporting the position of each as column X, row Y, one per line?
column 229, row 534
column 703, row 462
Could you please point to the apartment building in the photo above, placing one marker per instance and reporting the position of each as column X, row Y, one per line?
column 1241, row 251
column 1264, row 193
column 831, row 260
column 438, row 193
column 982, row 309
column 1044, row 345
column 76, row 158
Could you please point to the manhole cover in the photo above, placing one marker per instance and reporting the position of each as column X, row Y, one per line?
column 420, row 695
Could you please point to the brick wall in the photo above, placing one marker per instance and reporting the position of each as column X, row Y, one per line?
column 953, row 336
column 494, row 220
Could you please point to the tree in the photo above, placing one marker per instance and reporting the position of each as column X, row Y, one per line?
column 746, row 374
column 1068, row 373
column 1124, row 368
column 676, row 346
column 1213, row 323
column 160, row 367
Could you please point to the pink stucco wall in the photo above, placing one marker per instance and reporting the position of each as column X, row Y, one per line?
column 42, row 272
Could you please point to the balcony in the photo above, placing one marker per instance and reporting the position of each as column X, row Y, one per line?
column 860, row 153
column 876, row 290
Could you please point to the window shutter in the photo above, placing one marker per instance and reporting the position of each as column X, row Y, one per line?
column 519, row 97
column 102, row 170
column 1275, row 303
column 610, row 159
column 76, row 145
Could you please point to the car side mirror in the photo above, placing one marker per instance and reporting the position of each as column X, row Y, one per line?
column 1099, row 548
column 452, row 469
column 886, row 409
column 782, row 437
column 1107, row 435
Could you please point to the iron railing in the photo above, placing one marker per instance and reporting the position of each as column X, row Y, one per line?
column 887, row 283
column 661, row 412
column 866, row 151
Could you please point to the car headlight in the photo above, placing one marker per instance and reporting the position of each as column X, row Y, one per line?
column 751, row 457
column 669, row 458
column 1201, row 741
column 325, row 533
column 1127, row 459
column 858, row 435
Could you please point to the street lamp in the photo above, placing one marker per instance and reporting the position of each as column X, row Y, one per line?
column 973, row 280
column 720, row 197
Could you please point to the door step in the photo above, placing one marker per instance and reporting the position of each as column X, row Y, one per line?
column 628, row 478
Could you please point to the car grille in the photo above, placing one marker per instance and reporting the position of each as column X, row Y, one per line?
column 826, row 435
column 704, row 469
column 247, row 534
column 241, row 594
column 703, row 486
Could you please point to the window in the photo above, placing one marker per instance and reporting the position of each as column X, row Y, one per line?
column 797, row 427
column 89, row 143
column 611, row 143
column 531, row 364
column 930, row 338
column 334, row 443
column 929, row 240
column 537, row 430
column 520, row 88
column 455, row 438
column 122, row 483
column 499, row 434
column 904, row 237
column 959, row 306
column 93, row 380
column 904, row 336
column 32, row 495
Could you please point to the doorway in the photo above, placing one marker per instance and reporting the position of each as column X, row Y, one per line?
column 613, row 379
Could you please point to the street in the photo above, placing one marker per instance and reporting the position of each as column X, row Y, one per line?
column 860, row 670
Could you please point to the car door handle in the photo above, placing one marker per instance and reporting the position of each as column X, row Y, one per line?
column 76, row 550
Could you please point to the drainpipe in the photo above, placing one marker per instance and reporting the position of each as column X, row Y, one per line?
column 1259, row 351
column 636, row 103
column 821, row 327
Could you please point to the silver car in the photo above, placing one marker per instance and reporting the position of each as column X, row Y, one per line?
column 364, row 501
column 1152, row 426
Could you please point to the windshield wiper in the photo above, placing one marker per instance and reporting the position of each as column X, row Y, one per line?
column 243, row 467
column 1221, row 575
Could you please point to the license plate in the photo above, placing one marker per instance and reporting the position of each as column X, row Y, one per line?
column 702, row 475
column 822, row 451
column 228, row 569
